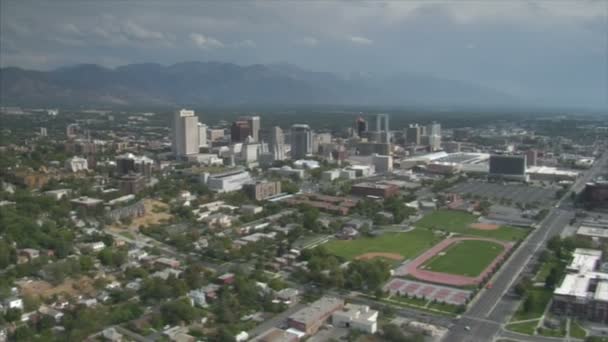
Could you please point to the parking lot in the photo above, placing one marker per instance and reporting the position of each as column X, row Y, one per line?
column 517, row 193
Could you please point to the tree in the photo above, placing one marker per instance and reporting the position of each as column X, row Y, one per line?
column 177, row 311
column 12, row 315
column 523, row 286
column 529, row 302
column 393, row 333
column 552, row 278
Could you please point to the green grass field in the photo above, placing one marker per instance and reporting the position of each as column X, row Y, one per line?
column 459, row 222
column 577, row 331
column 541, row 297
column 407, row 244
column 467, row 258
column 523, row 328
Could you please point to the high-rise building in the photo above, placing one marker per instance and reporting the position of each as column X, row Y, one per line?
column 202, row 135
column 383, row 128
column 254, row 126
column 43, row 132
column 277, row 143
column 508, row 166
column 413, row 134
column 301, row 141
column 382, row 163
column 240, row 130
column 531, row 156
column 185, row 133
column 360, row 126
column 433, row 129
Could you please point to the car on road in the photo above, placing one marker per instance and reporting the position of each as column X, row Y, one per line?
column 489, row 286
column 467, row 328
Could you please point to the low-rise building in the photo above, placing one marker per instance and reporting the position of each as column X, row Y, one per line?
column 228, row 181
column 375, row 190
column 312, row 317
column 358, row 317
column 260, row 191
column 76, row 164
column 583, row 293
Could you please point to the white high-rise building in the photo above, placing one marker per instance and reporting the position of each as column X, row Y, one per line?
column 202, row 135
column 254, row 127
column 185, row 133
column 382, row 128
column 382, row 163
column 301, row 141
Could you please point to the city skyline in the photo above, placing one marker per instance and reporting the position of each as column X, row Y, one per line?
column 539, row 50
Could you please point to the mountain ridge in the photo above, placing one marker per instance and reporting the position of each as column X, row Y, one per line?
column 222, row 83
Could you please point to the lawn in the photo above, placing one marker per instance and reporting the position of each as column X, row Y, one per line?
column 407, row 245
column 459, row 222
column 541, row 297
column 577, row 331
column 468, row 258
column 561, row 332
column 523, row 328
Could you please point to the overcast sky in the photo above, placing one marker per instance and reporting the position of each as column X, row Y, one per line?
column 514, row 46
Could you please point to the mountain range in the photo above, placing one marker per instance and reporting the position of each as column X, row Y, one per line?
column 217, row 83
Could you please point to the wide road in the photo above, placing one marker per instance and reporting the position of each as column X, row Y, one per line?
column 492, row 307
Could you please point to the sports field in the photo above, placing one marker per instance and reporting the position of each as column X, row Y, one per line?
column 467, row 258
column 407, row 244
column 460, row 222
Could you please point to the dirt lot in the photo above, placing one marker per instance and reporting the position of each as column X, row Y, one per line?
column 70, row 287
column 485, row 226
column 156, row 212
column 390, row 256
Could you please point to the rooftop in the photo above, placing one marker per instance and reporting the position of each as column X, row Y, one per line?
column 316, row 310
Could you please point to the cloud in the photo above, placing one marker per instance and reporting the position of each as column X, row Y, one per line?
column 137, row 32
column 308, row 41
column 360, row 40
column 205, row 42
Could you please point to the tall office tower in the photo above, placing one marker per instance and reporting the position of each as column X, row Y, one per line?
column 43, row 132
column 383, row 128
column 301, row 141
column 276, row 141
column 185, row 133
column 433, row 129
column 360, row 126
column 413, row 134
column 240, row 130
column 202, row 135
column 531, row 157
column 277, row 136
column 254, row 127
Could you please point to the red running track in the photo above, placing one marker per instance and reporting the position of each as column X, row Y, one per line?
column 453, row 279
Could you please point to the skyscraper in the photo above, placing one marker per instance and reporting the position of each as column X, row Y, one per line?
column 383, row 128
column 301, row 141
column 277, row 143
column 202, row 135
column 360, row 126
column 240, row 130
column 412, row 134
column 254, row 127
column 185, row 133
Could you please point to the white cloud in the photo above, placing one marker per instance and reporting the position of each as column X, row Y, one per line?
column 308, row 41
column 135, row 31
column 205, row 42
column 360, row 40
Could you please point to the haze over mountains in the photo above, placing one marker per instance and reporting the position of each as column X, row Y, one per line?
column 216, row 83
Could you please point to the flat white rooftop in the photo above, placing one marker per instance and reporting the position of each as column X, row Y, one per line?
column 585, row 260
column 592, row 232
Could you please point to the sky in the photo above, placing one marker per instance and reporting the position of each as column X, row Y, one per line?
column 545, row 49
